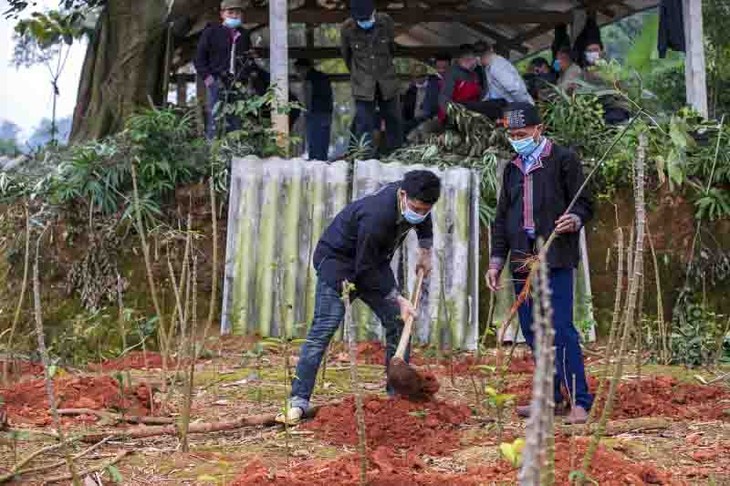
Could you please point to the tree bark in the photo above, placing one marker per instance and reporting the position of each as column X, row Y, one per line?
column 123, row 69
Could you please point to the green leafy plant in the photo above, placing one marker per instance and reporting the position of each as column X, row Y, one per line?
column 696, row 334
column 512, row 451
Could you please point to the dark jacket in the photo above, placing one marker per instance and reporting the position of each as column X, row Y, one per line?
column 430, row 104
column 555, row 181
column 318, row 92
column 368, row 55
column 213, row 56
column 671, row 27
column 359, row 244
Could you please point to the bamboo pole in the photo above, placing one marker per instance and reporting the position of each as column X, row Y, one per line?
column 279, row 65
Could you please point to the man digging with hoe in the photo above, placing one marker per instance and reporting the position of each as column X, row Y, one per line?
column 358, row 247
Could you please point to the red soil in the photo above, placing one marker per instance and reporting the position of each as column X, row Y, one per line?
column 388, row 468
column 27, row 403
column 659, row 396
column 20, row 368
column 136, row 360
column 427, row 428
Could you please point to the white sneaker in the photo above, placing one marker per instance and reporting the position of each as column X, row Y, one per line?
column 293, row 416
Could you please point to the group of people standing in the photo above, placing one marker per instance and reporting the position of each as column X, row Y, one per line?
column 476, row 77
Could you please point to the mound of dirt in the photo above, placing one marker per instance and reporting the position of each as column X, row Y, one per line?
column 388, row 468
column 21, row 368
column 667, row 397
column 136, row 360
column 428, row 428
column 658, row 396
column 27, row 402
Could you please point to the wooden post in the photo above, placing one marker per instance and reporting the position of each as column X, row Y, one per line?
column 182, row 92
column 279, row 59
column 694, row 62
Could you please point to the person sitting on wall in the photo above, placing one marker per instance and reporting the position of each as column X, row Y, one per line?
column 223, row 59
column 368, row 49
column 318, row 103
column 462, row 82
column 357, row 248
column 421, row 100
column 503, row 82
column 537, row 188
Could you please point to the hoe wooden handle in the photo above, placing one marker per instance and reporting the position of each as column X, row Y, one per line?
column 405, row 336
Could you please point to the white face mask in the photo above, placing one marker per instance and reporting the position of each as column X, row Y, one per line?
column 592, row 57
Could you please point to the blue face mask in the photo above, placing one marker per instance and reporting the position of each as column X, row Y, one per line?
column 366, row 24
column 524, row 146
column 411, row 216
column 556, row 66
column 232, row 23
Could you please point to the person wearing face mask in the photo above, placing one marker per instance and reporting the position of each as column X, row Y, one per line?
column 368, row 48
column 462, row 82
column 420, row 101
column 570, row 72
column 537, row 188
column 222, row 60
column 358, row 247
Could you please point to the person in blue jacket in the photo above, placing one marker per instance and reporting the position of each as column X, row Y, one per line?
column 358, row 247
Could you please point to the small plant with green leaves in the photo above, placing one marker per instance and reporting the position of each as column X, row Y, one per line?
column 498, row 402
column 512, row 451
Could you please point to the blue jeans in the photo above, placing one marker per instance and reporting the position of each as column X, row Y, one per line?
column 329, row 310
column 318, row 135
column 217, row 93
column 568, row 355
column 366, row 120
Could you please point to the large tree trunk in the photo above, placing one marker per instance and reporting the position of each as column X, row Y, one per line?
column 123, row 68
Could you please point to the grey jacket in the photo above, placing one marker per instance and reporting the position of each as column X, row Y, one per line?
column 368, row 55
column 504, row 82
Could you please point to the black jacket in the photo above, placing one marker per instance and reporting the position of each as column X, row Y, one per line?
column 430, row 104
column 554, row 186
column 671, row 27
column 359, row 244
column 213, row 56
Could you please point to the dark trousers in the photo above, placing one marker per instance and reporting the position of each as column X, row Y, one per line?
column 365, row 122
column 217, row 96
column 568, row 355
column 318, row 135
column 329, row 311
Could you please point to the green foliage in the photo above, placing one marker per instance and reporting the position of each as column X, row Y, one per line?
column 696, row 334
column 46, row 35
column 512, row 451
column 471, row 141
column 575, row 120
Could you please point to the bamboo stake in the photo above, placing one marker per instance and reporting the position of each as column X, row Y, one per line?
column 615, row 324
column 47, row 360
column 213, row 303
column 630, row 313
column 150, row 277
column 355, row 382
column 21, row 298
column 539, row 453
column 663, row 334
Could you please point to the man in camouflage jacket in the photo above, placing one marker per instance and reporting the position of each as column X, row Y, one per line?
column 368, row 48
